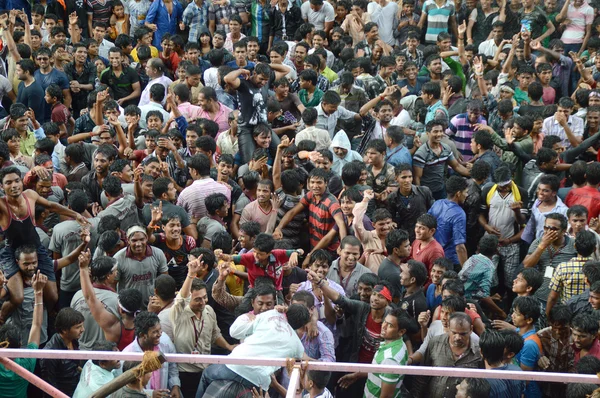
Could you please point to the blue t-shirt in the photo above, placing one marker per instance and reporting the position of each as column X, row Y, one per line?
column 54, row 77
column 433, row 301
column 416, row 89
column 452, row 226
column 249, row 65
column 506, row 388
column 529, row 356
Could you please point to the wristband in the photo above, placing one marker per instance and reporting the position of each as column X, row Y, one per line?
column 36, row 304
column 381, row 97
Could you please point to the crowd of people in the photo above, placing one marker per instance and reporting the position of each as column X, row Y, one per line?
column 397, row 183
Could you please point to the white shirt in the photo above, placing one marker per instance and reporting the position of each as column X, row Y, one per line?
column 318, row 18
column 152, row 106
column 269, row 335
column 552, row 127
column 328, row 122
column 104, row 47
column 489, row 47
column 145, row 97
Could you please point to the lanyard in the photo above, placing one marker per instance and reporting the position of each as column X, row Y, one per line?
column 283, row 32
column 196, row 333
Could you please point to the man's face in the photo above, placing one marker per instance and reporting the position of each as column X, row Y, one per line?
column 153, row 336
column 405, row 278
column 578, row 222
column 147, row 190
column 43, row 61
column 14, row 145
column 43, row 188
column 315, row 7
column 37, row 19
column 377, row 301
column 300, row 53
column 436, row 134
column 60, row 39
column 276, row 58
column 545, row 76
column 545, row 193
column 520, row 285
column 253, row 48
column 347, row 205
column 218, row 41
column 321, row 268
column 173, row 229
column 374, row 157
column 245, row 240
column 524, row 79
column 445, row 45
column 115, row 59
column 373, row 34
column 282, row 90
column 225, row 169
column 349, row 255
column 595, row 300
column 389, row 328
column 101, row 164
column 127, row 174
column 498, row 33
column 50, row 23
column 550, row 5
column 383, row 227
column 317, row 41
column 99, row 33
column 460, row 333
column 422, row 232
column 138, row 243
column 473, row 115
column 317, row 186
column 106, row 138
column 581, row 339
column 437, row 273
column 149, row 140
column 81, row 54
column 12, row 185
column 263, row 193
column 167, row 46
column 263, row 303
column 152, row 169
column 287, row 161
column 28, row 264
column 260, row 80
column 474, row 147
column 386, row 113
column 436, row 66
column 364, row 292
column 75, row 332
column 263, row 140
column 240, row 55
column 198, row 300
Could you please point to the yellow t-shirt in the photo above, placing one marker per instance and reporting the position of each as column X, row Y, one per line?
column 234, row 283
column 153, row 53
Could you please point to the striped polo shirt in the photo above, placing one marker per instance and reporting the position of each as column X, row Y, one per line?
column 433, row 165
column 461, row 131
column 437, row 19
column 320, row 217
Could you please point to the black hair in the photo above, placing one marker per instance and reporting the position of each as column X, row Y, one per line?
column 529, row 307
column 491, row 344
column 144, row 321
column 591, row 270
column 297, row 314
column 481, row 171
column 478, row 388
column 264, row 243
column 558, row 217
column 214, row 202
column 585, row 243
column 533, row 277
column 395, row 239
column 455, row 303
column 165, row 287
column 588, row 365
column 67, row 318
column 200, row 163
column 560, row 314
column 417, row 270
column 455, row 184
column 222, row 240
column 512, row 341
column 585, row 323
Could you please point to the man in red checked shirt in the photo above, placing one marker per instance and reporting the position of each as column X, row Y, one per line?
column 264, row 261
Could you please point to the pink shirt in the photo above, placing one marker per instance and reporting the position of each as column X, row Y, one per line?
column 221, row 117
column 580, row 18
column 189, row 111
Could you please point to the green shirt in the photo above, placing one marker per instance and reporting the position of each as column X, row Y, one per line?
column 521, row 96
column 394, row 353
column 13, row 385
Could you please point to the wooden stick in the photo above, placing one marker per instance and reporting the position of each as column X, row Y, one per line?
column 121, row 381
column 33, row 379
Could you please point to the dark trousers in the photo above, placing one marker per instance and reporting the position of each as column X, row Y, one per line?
column 219, row 372
column 189, row 383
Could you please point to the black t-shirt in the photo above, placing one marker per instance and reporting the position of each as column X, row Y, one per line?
column 121, row 86
column 298, row 275
column 414, row 304
column 390, row 272
column 252, row 103
column 33, row 97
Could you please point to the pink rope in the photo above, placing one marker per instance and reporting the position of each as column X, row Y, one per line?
column 33, row 379
column 328, row 366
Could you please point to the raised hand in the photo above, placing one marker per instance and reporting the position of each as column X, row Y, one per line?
column 84, row 259
column 194, row 266
column 462, row 28
column 157, row 213
column 73, row 19
column 38, row 282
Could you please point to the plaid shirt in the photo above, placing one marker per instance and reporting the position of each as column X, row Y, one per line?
column 375, row 87
column 419, row 59
column 363, row 45
column 477, row 274
column 568, row 279
column 261, row 24
column 217, row 13
column 195, row 17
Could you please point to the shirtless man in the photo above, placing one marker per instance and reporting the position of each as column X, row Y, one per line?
column 17, row 222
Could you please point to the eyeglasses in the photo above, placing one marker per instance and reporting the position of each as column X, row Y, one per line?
column 551, row 228
column 43, row 58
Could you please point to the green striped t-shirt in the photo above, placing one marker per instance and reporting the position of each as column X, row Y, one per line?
column 394, row 353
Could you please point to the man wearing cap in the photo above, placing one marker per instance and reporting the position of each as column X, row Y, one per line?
column 504, row 215
column 140, row 263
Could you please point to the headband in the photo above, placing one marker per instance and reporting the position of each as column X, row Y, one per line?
column 504, row 183
column 507, row 88
column 134, row 313
column 384, row 291
column 134, row 229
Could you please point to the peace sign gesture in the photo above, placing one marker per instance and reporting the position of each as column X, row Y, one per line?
column 157, row 213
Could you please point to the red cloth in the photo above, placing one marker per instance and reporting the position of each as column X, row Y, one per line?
column 427, row 256
column 588, row 197
column 594, row 351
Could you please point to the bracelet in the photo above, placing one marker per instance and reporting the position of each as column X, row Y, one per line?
column 36, row 304
column 381, row 97
column 191, row 276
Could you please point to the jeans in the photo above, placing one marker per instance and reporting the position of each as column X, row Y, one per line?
column 247, row 146
column 219, row 372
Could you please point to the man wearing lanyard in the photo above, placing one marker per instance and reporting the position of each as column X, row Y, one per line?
column 195, row 327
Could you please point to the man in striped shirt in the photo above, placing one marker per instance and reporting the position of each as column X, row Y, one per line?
column 462, row 127
column 392, row 351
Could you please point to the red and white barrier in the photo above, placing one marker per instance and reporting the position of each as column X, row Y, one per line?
column 295, row 375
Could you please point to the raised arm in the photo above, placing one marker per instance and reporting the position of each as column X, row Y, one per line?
column 233, row 78
column 38, row 282
column 108, row 322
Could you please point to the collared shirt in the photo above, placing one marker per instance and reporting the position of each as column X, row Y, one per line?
column 594, row 351
column 189, row 111
column 477, row 274
column 489, row 47
column 438, row 354
column 437, row 19
column 145, row 97
column 588, row 197
column 436, row 111
column 218, row 12
column 166, row 22
column 328, row 122
column 28, row 144
column 140, row 274
column 433, row 165
column 369, row 239
column 167, row 376
column 406, row 209
column 552, row 127
column 260, row 20
column 319, row 303
column 152, row 106
column 364, row 45
column 321, row 217
column 350, row 282
column 192, row 198
column 551, row 258
column 374, row 87
column 122, row 86
column 192, row 334
column 380, row 182
column 319, row 136
column 273, row 270
column 221, row 117
column 417, row 59
column 460, row 130
column 568, row 279
column 535, row 226
column 559, row 351
column 452, row 226
column 580, row 304
column 398, row 155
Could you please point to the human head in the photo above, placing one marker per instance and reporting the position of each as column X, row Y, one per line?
column 527, row 282
column 69, row 323
column 147, row 329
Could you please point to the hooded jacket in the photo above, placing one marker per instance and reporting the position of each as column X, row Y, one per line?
column 341, row 141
